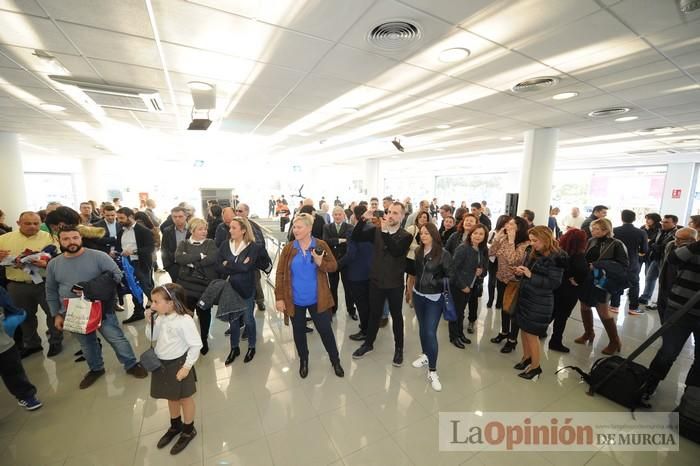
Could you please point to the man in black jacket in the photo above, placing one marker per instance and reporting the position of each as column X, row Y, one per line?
column 599, row 211
column 391, row 243
column 243, row 210
column 111, row 227
column 135, row 241
column 656, row 255
column 636, row 242
column 172, row 236
column 477, row 210
column 336, row 234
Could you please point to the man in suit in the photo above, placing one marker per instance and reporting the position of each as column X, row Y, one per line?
column 477, row 210
column 111, row 226
column 336, row 234
column 135, row 241
column 243, row 210
column 172, row 236
column 636, row 242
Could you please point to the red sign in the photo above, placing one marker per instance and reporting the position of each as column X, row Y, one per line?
column 676, row 193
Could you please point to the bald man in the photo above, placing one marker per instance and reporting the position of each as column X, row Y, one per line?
column 222, row 234
column 27, row 291
column 669, row 272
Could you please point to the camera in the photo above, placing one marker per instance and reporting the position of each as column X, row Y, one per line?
column 319, row 250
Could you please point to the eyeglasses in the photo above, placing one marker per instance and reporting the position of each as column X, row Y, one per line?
column 239, row 211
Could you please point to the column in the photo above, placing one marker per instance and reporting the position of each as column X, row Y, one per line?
column 13, row 194
column 372, row 181
column 678, row 189
column 94, row 187
column 537, row 172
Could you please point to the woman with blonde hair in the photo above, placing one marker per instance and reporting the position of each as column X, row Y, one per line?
column 601, row 247
column 539, row 276
column 301, row 285
column 237, row 258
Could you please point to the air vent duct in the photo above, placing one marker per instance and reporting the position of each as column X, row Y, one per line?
column 535, row 84
column 394, row 35
column 608, row 112
column 121, row 96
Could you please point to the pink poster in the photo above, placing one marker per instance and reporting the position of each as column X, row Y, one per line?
column 599, row 187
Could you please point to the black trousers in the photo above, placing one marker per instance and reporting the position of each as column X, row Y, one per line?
column 259, row 293
column 457, row 327
column 565, row 299
column 204, row 316
column 360, row 295
column 508, row 325
column 377, row 296
column 493, row 268
column 334, row 278
column 13, row 375
column 30, row 297
column 322, row 322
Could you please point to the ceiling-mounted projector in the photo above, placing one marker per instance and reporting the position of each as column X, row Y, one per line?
column 200, row 124
column 397, row 144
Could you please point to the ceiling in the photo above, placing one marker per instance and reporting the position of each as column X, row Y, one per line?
column 298, row 79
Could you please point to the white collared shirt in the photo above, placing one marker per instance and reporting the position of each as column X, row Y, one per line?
column 175, row 335
column 129, row 240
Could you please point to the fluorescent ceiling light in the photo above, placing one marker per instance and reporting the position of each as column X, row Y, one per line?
column 303, row 134
column 199, row 86
column 52, row 107
column 349, row 110
column 443, row 126
column 506, row 138
column 439, row 149
column 454, row 54
column 565, row 95
column 627, row 118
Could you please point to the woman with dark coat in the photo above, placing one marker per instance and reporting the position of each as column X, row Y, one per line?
column 540, row 276
column 573, row 243
column 601, row 246
column 468, row 223
column 468, row 266
column 197, row 257
column 237, row 258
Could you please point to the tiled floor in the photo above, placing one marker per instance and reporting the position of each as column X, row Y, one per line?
column 262, row 413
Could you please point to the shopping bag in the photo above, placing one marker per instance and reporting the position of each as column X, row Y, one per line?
column 82, row 316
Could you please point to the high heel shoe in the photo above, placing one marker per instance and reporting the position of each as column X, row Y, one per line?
column 532, row 374
column 523, row 364
column 457, row 342
column 249, row 355
column 235, row 352
column 509, row 347
column 303, row 368
column 499, row 338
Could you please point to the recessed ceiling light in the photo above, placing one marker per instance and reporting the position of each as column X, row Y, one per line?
column 199, row 86
column 507, row 138
column 443, row 126
column 627, row 118
column 608, row 112
column 52, row 108
column 658, row 131
column 454, row 54
column 535, row 84
column 565, row 95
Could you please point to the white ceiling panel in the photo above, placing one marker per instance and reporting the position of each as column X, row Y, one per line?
column 321, row 18
column 658, row 71
column 670, row 88
column 139, row 76
column 126, row 16
column 30, row 31
column 22, row 6
column 327, row 87
column 354, row 65
column 113, row 46
column 387, row 10
column 75, row 64
column 646, row 17
column 456, row 12
column 20, row 78
column 678, row 40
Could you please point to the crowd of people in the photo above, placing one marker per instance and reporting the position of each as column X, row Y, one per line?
column 384, row 255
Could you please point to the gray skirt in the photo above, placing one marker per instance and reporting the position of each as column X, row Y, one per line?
column 165, row 385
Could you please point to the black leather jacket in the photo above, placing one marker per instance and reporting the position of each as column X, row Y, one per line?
column 430, row 272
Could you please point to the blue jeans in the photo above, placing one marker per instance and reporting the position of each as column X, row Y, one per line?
column 428, row 314
column 249, row 319
column 112, row 332
column 652, row 273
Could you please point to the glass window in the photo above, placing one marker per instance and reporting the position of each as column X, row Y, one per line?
column 43, row 188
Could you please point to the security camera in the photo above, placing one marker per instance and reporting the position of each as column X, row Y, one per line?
column 397, row 144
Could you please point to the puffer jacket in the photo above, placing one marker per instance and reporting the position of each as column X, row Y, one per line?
column 535, row 302
column 430, row 272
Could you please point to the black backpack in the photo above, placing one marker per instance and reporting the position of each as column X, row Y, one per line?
column 623, row 380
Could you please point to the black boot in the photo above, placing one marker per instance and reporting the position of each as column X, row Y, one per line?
column 304, row 368
column 338, row 369
column 235, row 352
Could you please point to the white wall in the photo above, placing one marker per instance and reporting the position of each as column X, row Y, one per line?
column 680, row 176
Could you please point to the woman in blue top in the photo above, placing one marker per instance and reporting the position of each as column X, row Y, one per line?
column 301, row 284
column 237, row 258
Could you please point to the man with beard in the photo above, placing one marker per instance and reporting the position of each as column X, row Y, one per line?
column 80, row 271
column 135, row 241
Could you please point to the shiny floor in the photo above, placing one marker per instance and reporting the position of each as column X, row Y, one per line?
column 262, row 413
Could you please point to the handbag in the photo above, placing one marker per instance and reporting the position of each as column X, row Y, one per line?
column 82, row 316
column 510, row 296
column 149, row 360
column 449, row 311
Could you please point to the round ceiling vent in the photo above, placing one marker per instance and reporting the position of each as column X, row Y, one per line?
column 394, row 35
column 658, row 130
column 535, row 84
column 608, row 112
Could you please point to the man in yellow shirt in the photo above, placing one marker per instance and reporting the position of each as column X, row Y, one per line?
column 25, row 293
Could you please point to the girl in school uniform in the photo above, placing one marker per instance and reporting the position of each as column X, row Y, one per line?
column 177, row 346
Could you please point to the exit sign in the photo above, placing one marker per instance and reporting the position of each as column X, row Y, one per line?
column 676, row 193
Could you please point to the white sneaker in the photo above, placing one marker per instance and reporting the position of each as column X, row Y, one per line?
column 422, row 361
column 434, row 381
